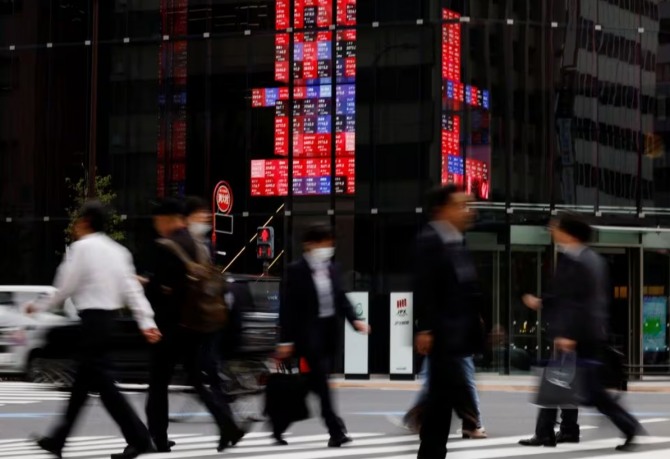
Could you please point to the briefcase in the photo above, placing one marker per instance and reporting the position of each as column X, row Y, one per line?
column 286, row 400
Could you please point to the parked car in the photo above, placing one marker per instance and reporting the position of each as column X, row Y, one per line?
column 22, row 337
column 255, row 321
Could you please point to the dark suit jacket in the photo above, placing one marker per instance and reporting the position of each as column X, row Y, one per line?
column 577, row 302
column 167, row 282
column 447, row 296
column 299, row 306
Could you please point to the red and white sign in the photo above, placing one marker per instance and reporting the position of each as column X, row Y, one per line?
column 223, row 198
column 402, row 333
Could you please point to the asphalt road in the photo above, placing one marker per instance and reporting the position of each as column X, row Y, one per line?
column 371, row 415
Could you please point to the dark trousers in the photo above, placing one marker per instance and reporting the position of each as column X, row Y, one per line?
column 94, row 374
column 189, row 348
column 318, row 354
column 447, row 391
column 547, row 419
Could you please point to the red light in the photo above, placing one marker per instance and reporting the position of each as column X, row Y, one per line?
column 265, row 235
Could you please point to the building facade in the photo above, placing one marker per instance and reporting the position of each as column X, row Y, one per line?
column 347, row 111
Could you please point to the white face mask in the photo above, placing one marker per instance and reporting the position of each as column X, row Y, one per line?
column 323, row 254
column 199, row 229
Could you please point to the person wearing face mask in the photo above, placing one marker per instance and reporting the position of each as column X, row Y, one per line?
column 199, row 222
column 312, row 301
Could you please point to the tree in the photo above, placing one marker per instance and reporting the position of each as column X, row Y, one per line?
column 103, row 193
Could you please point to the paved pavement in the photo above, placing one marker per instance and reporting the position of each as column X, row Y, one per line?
column 371, row 413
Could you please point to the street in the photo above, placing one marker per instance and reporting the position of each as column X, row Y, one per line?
column 372, row 416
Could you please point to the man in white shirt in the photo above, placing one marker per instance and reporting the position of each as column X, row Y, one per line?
column 98, row 274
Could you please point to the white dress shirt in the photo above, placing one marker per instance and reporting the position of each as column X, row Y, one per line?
column 98, row 273
column 324, row 286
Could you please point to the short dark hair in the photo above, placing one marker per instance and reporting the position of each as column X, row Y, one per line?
column 575, row 225
column 194, row 204
column 439, row 197
column 96, row 215
column 318, row 233
column 168, row 206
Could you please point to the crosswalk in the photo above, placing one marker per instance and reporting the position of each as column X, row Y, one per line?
column 22, row 393
column 259, row 445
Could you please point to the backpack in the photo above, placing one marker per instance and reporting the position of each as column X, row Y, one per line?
column 205, row 309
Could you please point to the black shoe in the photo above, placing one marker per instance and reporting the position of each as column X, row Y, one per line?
column 131, row 452
column 536, row 441
column 165, row 447
column 50, row 445
column 562, row 437
column 279, row 440
column 336, row 442
column 629, row 445
column 226, row 441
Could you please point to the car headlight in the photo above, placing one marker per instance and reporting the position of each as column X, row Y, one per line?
column 15, row 336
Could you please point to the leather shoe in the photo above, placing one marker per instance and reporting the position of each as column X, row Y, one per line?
column 563, row 437
column 131, row 452
column 50, row 445
column 226, row 441
column 279, row 440
column 166, row 447
column 628, row 445
column 535, row 441
column 336, row 442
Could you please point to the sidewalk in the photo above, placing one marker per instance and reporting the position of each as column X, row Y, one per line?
column 488, row 382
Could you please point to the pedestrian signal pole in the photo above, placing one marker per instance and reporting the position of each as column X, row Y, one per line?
column 265, row 246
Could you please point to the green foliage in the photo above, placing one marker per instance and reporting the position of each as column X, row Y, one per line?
column 103, row 193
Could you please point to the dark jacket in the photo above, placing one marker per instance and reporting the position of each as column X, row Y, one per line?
column 299, row 304
column 447, row 296
column 576, row 305
column 167, row 282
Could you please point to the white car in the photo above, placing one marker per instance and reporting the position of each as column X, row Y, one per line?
column 23, row 336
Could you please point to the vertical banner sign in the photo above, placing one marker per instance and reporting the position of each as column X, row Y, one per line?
column 402, row 334
column 356, row 344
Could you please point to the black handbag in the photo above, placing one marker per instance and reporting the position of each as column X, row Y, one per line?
column 560, row 383
column 286, row 400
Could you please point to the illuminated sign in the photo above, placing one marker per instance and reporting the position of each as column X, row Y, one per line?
column 315, row 64
column 473, row 171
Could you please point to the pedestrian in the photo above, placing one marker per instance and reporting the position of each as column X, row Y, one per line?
column 98, row 274
column 447, row 298
column 577, row 311
column 168, row 292
column 199, row 222
column 312, row 299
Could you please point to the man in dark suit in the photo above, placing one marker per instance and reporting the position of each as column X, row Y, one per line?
column 447, row 299
column 312, row 300
column 167, row 290
column 577, row 311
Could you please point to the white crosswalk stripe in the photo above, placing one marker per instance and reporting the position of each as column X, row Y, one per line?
column 259, row 445
column 23, row 393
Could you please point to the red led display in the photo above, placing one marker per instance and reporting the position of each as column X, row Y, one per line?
column 312, row 176
column 315, row 116
column 471, row 172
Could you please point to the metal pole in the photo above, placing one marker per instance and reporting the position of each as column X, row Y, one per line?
column 93, row 115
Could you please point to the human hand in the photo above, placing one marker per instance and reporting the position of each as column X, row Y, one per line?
column 142, row 280
column 152, row 335
column 284, row 351
column 424, row 343
column 565, row 344
column 362, row 327
column 532, row 302
column 29, row 308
